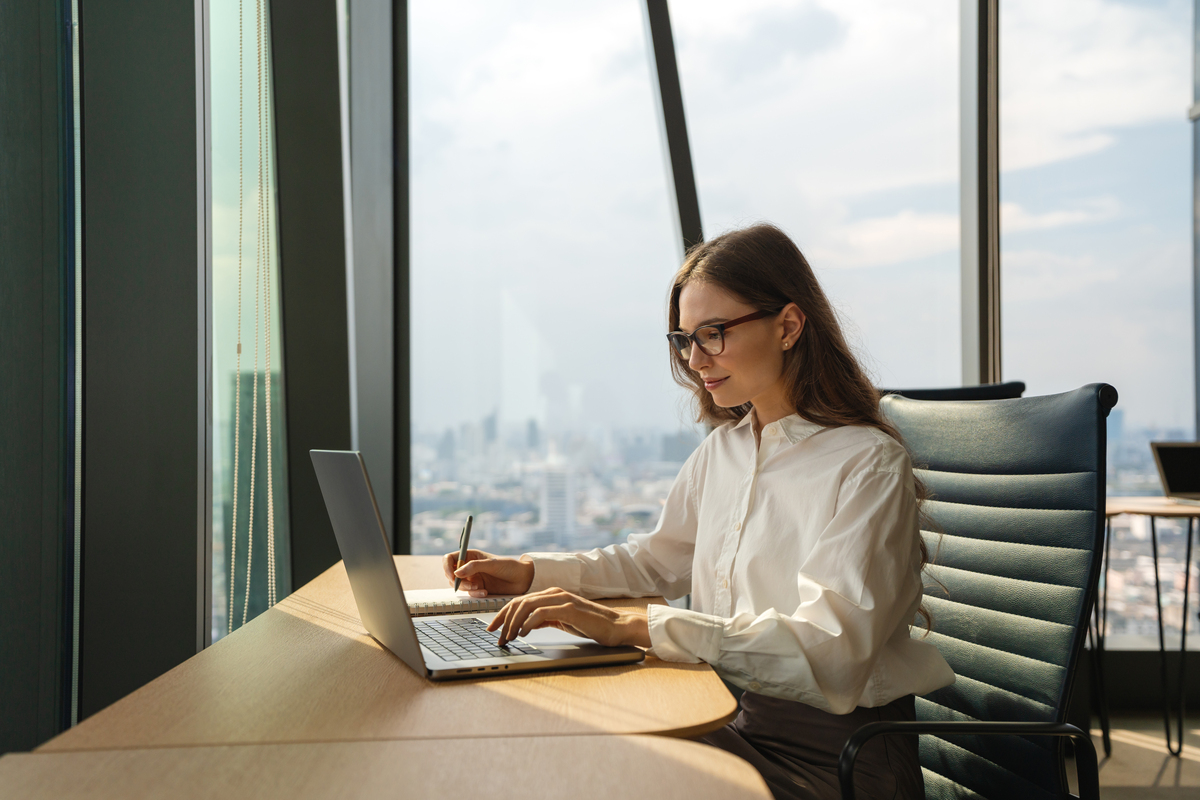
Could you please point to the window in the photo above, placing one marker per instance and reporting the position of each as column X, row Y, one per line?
column 542, row 251
column 247, row 377
column 825, row 119
column 1096, row 246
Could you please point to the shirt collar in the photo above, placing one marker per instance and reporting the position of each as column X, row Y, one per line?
column 795, row 427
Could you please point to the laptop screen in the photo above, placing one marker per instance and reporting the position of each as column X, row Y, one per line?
column 1180, row 468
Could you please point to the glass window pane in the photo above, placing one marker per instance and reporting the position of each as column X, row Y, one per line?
column 1096, row 245
column 838, row 121
column 542, row 251
column 247, row 360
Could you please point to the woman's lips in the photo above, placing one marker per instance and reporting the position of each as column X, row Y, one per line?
column 713, row 384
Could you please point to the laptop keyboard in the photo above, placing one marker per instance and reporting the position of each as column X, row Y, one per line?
column 466, row 638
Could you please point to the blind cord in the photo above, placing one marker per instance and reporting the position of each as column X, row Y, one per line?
column 262, row 324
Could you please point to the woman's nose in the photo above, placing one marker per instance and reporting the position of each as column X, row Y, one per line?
column 698, row 357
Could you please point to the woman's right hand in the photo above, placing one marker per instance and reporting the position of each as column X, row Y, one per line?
column 483, row 573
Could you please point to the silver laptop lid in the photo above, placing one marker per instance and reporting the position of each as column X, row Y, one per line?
column 362, row 540
column 1178, row 468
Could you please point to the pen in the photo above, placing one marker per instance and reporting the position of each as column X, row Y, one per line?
column 463, row 539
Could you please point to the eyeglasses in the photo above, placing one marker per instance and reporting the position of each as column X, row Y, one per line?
column 711, row 338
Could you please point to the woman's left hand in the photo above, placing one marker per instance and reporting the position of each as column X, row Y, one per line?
column 557, row 608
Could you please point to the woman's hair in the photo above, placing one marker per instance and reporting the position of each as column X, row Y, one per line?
column 761, row 266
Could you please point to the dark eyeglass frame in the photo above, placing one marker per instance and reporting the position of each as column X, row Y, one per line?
column 683, row 341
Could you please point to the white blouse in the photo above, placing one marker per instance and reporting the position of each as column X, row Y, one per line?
column 801, row 555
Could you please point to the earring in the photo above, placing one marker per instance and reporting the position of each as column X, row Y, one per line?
column 785, row 345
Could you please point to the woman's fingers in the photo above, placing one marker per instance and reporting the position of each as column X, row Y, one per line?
column 548, row 615
column 475, row 574
column 450, row 562
column 516, row 611
column 519, row 609
column 565, row 611
column 498, row 620
column 553, row 607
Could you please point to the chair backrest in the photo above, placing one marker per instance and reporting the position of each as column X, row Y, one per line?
column 985, row 391
column 1017, row 498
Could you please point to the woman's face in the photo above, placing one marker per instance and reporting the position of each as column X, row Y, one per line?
column 750, row 368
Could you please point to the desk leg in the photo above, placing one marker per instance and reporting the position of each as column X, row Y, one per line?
column 1097, row 644
column 1162, row 644
column 1182, row 686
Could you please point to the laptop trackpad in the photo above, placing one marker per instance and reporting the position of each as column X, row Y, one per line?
column 553, row 637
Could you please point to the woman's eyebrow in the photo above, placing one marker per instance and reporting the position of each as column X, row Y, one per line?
column 709, row 321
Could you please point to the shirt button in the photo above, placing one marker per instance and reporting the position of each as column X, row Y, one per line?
column 754, row 686
column 725, row 584
column 771, row 431
column 737, row 526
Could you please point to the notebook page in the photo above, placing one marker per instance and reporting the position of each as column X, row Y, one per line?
column 447, row 601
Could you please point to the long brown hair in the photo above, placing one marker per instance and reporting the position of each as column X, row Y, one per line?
column 761, row 266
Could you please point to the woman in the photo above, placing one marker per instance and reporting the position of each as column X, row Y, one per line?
column 794, row 526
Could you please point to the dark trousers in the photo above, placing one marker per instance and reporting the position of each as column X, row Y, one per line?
column 796, row 748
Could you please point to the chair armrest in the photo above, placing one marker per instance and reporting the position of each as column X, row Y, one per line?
column 1085, row 751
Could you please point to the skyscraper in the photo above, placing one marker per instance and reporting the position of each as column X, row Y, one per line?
column 558, row 505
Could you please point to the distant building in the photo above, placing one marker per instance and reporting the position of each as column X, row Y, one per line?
column 558, row 505
column 679, row 446
column 445, row 449
column 1116, row 425
column 639, row 449
column 533, row 438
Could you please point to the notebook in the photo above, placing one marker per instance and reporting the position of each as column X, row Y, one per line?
column 431, row 602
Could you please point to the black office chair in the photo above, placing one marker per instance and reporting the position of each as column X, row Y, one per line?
column 1018, row 495
column 986, row 391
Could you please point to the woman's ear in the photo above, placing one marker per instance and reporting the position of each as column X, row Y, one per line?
column 792, row 320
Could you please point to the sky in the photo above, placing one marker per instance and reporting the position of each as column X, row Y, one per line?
column 543, row 245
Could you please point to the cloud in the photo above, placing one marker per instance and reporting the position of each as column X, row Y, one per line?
column 1015, row 219
column 908, row 235
column 1072, row 72
column 1037, row 275
column 880, row 241
column 868, row 111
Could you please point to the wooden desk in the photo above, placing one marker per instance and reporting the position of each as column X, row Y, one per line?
column 579, row 767
column 306, row 671
column 1150, row 507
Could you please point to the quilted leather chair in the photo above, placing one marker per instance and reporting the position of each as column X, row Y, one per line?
column 1018, row 497
column 984, row 391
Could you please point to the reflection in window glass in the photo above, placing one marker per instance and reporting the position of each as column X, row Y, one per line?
column 1095, row 248
column 246, row 377
column 838, row 121
column 542, row 251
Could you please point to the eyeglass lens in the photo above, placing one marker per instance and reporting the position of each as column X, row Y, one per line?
column 711, row 339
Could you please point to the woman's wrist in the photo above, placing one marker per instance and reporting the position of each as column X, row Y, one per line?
column 636, row 628
column 527, row 562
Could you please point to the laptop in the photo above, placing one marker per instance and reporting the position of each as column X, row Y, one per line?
column 439, row 647
column 1179, row 468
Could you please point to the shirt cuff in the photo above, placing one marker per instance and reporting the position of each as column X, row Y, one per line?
column 677, row 634
column 555, row 570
